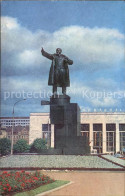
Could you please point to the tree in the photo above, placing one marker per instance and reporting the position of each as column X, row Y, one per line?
column 5, row 146
column 21, row 146
column 38, row 145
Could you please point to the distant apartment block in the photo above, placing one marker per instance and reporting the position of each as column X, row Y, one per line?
column 21, row 128
column 8, row 121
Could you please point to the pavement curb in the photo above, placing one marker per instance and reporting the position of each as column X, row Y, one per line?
column 55, row 189
column 61, row 168
column 111, row 161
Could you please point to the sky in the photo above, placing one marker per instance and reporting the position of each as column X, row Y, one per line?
column 91, row 33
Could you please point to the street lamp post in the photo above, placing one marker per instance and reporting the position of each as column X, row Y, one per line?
column 49, row 136
column 13, row 125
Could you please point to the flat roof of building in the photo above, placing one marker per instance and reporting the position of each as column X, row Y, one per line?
column 14, row 117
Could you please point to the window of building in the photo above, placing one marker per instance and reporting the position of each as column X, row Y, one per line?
column 97, row 127
column 46, row 134
column 111, row 137
column 84, row 127
column 85, row 130
column 97, row 141
column 122, row 140
column 45, row 127
column 110, row 127
column 85, row 133
column 121, row 127
column 110, row 141
column 97, row 137
column 122, row 136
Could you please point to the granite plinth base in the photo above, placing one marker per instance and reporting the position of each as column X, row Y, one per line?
column 71, row 142
column 76, row 151
column 51, row 151
column 73, row 145
column 59, row 100
column 67, row 130
column 65, row 116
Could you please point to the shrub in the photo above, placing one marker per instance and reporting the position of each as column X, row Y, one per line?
column 21, row 146
column 5, row 146
column 38, row 145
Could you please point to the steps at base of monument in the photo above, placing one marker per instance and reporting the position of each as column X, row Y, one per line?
column 76, row 151
column 66, row 151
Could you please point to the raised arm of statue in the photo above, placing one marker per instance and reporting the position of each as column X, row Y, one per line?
column 47, row 55
column 69, row 61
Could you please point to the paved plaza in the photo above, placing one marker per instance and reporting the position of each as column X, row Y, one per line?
column 89, row 183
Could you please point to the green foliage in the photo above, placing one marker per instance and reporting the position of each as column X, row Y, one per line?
column 42, row 189
column 21, row 146
column 38, row 145
column 5, row 146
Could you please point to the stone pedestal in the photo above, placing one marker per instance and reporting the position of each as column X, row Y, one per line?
column 67, row 131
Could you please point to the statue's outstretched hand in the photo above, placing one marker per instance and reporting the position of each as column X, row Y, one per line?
column 42, row 50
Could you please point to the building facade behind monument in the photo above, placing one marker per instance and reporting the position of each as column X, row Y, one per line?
column 106, row 131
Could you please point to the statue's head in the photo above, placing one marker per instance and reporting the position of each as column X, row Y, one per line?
column 58, row 50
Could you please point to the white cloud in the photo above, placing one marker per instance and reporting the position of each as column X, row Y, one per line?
column 29, row 57
column 102, row 84
column 18, row 84
column 90, row 45
column 105, row 102
column 90, row 48
column 8, row 23
column 104, row 97
column 18, row 39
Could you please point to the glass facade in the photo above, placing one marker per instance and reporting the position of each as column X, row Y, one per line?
column 20, row 121
column 111, row 137
column 122, row 136
column 46, row 132
column 85, row 128
column 97, row 137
